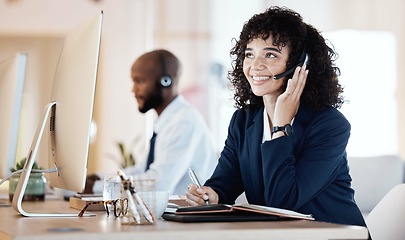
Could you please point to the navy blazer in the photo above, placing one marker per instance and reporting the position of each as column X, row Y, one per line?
column 306, row 172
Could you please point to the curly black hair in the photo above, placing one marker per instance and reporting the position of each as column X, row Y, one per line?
column 286, row 26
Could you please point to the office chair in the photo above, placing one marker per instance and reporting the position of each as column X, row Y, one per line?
column 386, row 220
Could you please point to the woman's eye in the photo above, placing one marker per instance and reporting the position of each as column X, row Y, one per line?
column 248, row 55
column 270, row 55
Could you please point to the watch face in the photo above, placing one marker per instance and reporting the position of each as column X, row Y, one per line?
column 288, row 130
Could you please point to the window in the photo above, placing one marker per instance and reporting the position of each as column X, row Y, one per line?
column 367, row 60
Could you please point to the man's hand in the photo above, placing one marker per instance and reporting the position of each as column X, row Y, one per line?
column 88, row 189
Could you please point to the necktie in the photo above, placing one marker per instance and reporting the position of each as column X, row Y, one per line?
column 151, row 155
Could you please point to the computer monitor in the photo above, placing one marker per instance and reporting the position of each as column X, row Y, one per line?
column 12, row 75
column 69, row 113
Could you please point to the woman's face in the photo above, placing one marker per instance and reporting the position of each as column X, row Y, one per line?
column 262, row 61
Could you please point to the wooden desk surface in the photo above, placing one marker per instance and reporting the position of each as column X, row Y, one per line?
column 15, row 226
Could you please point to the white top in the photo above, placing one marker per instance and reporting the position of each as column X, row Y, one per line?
column 182, row 141
column 266, row 127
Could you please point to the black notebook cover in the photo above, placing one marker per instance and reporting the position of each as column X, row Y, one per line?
column 221, row 217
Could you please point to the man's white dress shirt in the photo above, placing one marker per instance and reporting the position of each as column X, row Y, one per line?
column 183, row 140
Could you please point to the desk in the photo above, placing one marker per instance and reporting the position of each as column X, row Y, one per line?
column 15, row 226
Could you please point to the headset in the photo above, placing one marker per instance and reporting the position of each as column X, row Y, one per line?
column 165, row 80
column 304, row 58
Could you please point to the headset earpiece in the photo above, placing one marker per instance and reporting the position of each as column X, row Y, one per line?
column 165, row 80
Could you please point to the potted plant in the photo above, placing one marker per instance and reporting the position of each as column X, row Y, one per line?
column 127, row 157
column 35, row 190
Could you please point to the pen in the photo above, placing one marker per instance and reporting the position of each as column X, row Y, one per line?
column 195, row 180
column 126, row 183
column 132, row 206
column 148, row 215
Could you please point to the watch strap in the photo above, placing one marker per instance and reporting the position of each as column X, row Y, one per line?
column 286, row 129
column 278, row 129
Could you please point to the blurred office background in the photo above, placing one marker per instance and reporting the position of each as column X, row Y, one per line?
column 367, row 34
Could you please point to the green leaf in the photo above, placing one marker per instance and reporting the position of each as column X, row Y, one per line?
column 127, row 158
column 20, row 165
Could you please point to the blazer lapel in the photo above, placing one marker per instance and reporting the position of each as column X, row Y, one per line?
column 254, row 138
column 300, row 124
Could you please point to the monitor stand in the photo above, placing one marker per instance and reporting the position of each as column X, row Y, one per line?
column 22, row 183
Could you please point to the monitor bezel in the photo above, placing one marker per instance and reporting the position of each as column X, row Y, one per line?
column 12, row 71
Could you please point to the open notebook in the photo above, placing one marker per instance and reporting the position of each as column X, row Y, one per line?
column 238, row 212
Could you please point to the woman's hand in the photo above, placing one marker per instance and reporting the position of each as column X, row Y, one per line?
column 197, row 196
column 288, row 102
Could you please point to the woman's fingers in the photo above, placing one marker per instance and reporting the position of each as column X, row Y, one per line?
column 296, row 85
column 199, row 196
column 301, row 78
column 193, row 197
column 288, row 102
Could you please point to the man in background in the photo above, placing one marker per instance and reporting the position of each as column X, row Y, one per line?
column 180, row 136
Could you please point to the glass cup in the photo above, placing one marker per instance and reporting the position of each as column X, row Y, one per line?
column 111, row 189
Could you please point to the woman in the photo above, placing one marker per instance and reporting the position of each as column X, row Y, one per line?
column 286, row 144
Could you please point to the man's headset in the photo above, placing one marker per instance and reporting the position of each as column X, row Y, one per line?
column 165, row 80
column 304, row 58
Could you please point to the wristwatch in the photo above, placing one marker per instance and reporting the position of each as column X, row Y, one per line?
column 287, row 129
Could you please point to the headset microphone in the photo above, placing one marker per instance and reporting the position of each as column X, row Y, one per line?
column 165, row 80
column 278, row 76
column 303, row 60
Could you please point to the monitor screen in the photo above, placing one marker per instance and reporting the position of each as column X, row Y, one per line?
column 12, row 75
column 73, row 93
column 69, row 114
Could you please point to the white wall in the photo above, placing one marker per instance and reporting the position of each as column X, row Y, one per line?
column 38, row 28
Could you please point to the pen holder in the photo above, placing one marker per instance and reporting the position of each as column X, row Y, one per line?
column 145, row 188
